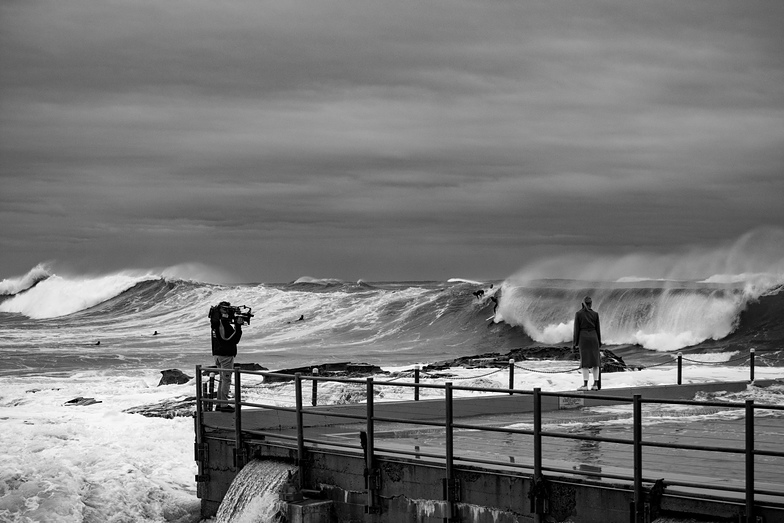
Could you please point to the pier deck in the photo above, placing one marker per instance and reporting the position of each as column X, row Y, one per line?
column 596, row 465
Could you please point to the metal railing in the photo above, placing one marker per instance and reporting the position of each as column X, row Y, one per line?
column 536, row 468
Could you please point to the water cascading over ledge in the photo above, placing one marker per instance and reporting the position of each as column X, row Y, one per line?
column 254, row 495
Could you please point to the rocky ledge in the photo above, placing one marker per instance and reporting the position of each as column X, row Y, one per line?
column 610, row 361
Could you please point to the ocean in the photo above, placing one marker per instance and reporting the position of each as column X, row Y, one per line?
column 106, row 339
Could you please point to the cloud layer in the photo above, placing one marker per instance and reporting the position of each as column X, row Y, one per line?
column 384, row 140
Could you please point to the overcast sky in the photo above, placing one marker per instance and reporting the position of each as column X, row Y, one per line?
column 384, row 140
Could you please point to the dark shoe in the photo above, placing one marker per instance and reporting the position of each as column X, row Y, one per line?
column 225, row 408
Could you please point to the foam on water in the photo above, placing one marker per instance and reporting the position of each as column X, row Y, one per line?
column 96, row 463
column 93, row 463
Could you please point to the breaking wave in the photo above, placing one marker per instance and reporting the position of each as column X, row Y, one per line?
column 403, row 320
column 12, row 286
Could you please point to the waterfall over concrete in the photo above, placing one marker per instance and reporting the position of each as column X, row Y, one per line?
column 254, row 495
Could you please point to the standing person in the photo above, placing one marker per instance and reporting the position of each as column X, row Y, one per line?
column 225, row 337
column 588, row 336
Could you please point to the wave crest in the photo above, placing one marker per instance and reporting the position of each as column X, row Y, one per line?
column 59, row 296
column 11, row 286
column 664, row 319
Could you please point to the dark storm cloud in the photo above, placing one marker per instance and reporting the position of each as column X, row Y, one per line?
column 384, row 139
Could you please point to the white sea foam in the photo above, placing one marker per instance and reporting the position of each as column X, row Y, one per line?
column 95, row 463
column 92, row 463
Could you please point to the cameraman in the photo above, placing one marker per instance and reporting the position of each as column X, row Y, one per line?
column 225, row 337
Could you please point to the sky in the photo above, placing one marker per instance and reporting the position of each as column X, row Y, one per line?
column 385, row 141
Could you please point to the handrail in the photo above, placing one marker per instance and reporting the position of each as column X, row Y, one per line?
column 203, row 401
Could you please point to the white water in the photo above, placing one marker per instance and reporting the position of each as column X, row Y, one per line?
column 254, row 495
column 58, row 296
column 96, row 464
column 10, row 286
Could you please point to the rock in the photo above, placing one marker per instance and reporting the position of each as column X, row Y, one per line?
column 81, row 402
column 249, row 366
column 171, row 408
column 339, row 370
column 610, row 361
column 174, row 377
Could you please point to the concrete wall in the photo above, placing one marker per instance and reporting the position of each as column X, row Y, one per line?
column 412, row 491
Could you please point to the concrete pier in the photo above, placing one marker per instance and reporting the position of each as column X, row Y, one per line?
column 493, row 471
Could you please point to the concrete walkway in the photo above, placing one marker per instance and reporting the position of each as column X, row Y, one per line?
column 600, row 414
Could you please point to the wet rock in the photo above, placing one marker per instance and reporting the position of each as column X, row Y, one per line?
column 170, row 408
column 249, row 366
column 333, row 370
column 174, row 377
column 81, row 402
column 610, row 361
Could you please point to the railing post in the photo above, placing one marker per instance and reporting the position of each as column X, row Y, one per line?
column 511, row 375
column 372, row 476
column 416, row 382
column 638, row 493
column 451, row 488
column 239, row 452
column 314, row 398
column 536, row 507
column 751, row 365
column 200, row 450
column 300, row 429
column 198, row 404
column 750, row 461
column 680, row 367
column 211, row 391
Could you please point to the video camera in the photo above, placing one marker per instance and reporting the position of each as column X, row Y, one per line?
column 238, row 315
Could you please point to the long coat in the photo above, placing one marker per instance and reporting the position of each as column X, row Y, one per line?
column 587, row 336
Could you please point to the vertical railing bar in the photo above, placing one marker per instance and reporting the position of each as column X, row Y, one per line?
column 314, row 396
column 752, row 352
column 238, row 420
column 370, row 460
column 199, row 454
column 416, row 381
column 511, row 376
column 537, row 398
column 198, row 405
column 450, row 451
column 680, row 367
column 638, row 495
column 211, row 391
column 300, row 429
column 750, row 460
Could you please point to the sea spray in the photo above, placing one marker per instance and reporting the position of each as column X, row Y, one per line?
column 663, row 316
column 58, row 296
column 11, row 286
column 254, row 495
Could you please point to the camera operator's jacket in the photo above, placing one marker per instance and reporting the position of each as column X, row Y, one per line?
column 225, row 338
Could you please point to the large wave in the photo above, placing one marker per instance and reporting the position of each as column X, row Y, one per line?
column 432, row 319
column 659, row 301
column 59, row 296
column 659, row 318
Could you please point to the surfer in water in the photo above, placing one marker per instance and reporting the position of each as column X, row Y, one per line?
column 588, row 337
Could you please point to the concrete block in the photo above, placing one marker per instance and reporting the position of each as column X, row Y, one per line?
column 310, row 511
